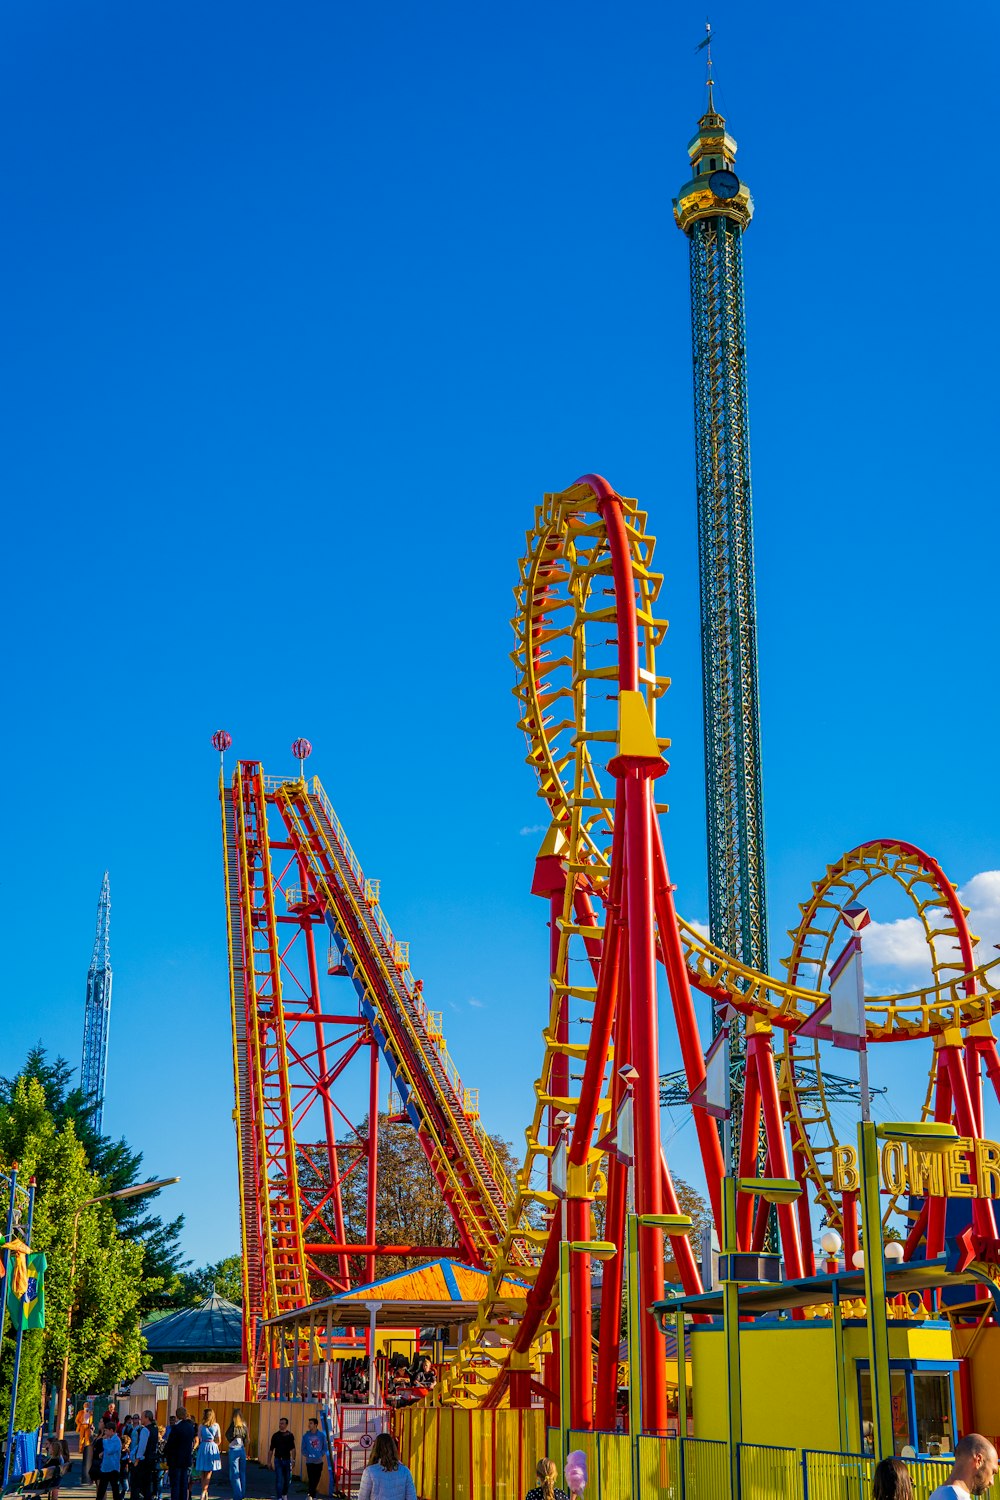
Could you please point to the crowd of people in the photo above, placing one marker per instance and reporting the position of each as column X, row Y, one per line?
column 128, row 1454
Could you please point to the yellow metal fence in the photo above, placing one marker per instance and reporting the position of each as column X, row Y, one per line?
column 486, row 1455
column 845, row 1476
column 470, row 1455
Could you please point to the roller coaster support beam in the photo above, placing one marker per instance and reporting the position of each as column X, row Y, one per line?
column 372, row 1186
column 761, row 1057
column 692, row 1052
column 329, row 1124
column 577, row 1223
column 646, row 1088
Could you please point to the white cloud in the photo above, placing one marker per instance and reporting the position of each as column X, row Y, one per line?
column 902, row 947
column 534, row 828
column 478, row 1004
column 896, row 945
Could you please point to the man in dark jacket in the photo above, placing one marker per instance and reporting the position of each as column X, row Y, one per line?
column 144, row 1444
column 179, row 1451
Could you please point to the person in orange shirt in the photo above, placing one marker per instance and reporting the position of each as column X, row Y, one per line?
column 84, row 1431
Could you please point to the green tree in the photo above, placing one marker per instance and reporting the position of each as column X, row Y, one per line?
column 409, row 1206
column 110, row 1283
column 114, row 1162
column 222, row 1276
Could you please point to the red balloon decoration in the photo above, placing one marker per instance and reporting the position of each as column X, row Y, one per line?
column 301, row 749
column 222, row 740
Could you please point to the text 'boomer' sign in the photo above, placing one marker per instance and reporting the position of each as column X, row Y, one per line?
column 967, row 1169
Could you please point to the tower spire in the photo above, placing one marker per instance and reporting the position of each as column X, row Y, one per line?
column 707, row 44
column 97, row 1010
column 714, row 209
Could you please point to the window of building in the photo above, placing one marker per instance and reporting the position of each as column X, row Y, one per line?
column 932, row 1412
column 923, row 1408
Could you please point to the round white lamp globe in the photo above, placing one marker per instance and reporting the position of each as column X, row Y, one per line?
column 858, row 1260
column 894, row 1250
column 830, row 1242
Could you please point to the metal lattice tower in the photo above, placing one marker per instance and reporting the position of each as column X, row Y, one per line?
column 713, row 210
column 97, row 1014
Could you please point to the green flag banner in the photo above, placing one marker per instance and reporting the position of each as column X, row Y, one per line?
column 29, row 1311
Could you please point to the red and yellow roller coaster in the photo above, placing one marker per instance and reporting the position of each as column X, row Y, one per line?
column 588, row 688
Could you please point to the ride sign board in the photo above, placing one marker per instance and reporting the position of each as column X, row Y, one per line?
column 966, row 1169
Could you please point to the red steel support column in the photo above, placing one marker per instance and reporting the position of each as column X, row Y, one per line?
column 686, row 1021
column 992, row 1060
column 849, row 1215
column 372, row 1156
column 646, row 1090
column 759, row 1048
column 749, row 1139
column 329, row 1124
column 680, row 1244
column 802, row 1209
column 937, row 1206
column 559, row 1082
column 965, row 1119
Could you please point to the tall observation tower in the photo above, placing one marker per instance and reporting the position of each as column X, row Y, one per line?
column 97, row 1015
column 713, row 210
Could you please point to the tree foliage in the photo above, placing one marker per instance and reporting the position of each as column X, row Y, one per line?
column 409, row 1206
column 114, row 1163
column 110, row 1284
column 222, row 1276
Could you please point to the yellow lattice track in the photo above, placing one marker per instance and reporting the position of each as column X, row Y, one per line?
column 815, row 944
column 566, row 685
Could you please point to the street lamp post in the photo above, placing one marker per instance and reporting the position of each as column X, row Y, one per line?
column 600, row 1250
column 138, row 1191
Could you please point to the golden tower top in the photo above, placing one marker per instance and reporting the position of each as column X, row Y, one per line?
column 714, row 188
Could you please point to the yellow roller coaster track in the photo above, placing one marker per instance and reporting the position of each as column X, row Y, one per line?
column 565, row 659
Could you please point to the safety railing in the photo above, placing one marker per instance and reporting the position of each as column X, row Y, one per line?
column 768, row 1473
column 836, row 1476
column 706, row 1467
column 609, row 1463
column 848, row 1476
column 658, row 1466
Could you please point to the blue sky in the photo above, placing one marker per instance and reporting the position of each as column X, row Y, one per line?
column 305, row 307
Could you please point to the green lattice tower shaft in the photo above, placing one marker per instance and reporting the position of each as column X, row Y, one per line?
column 737, row 909
column 713, row 209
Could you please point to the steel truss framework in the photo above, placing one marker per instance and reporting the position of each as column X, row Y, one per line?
column 736, row 883
column 292, row 879
column 97, row 1009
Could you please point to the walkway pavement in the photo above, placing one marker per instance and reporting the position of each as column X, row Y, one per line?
column 260, row 1484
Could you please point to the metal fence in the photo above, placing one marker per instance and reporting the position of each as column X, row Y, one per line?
column 768, row 1473
column 706, row 1467
column 848, row 1476
column 484, row 1455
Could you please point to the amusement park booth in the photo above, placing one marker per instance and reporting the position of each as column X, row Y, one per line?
column 804, row 1361
column 424, row 1308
